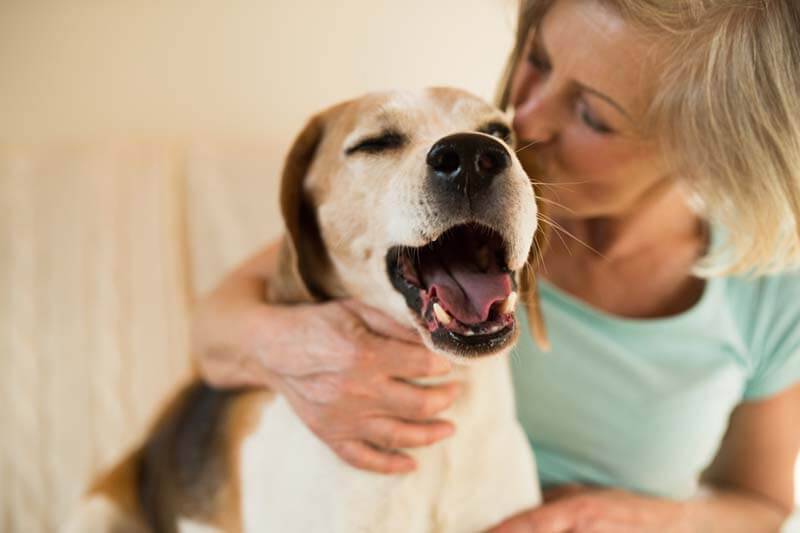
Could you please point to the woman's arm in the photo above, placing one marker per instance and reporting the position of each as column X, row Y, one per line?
column 344, row 367
column 751, row 484
column 752, row 477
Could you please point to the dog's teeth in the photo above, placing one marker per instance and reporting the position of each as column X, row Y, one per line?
column 443, row 316
column 482, row 257
column 509, row 304
column 469, row 333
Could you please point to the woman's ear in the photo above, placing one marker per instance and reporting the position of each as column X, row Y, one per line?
column 302, row 257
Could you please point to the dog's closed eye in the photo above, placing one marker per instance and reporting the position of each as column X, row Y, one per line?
column 374, row 144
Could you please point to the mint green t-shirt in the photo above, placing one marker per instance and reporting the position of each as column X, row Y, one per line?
column 643, row 404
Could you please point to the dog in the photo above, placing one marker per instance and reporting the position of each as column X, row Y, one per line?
column 416, row 204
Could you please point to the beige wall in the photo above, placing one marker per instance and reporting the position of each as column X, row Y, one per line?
column 90, row 68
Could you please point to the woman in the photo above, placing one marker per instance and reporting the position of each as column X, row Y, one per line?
column 667, row 135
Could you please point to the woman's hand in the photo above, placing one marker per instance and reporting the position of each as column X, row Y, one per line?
column 342, row 365
column 578, row 509
column 348, row 386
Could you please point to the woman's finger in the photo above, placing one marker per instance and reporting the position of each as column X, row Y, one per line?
column 417, row 402
column 362, row 455
column 559, row 517
column 380, row 323
column 391, row 434
column 516, row 524
column 396, row 349
column 403, row 360
column 563, row 491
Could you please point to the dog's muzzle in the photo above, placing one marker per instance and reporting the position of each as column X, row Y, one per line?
column 459, row 284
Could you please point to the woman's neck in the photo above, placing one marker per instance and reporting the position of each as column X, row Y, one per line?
column 637, row 264
column 658, row 219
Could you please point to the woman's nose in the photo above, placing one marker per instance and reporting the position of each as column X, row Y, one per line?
column 537, row 115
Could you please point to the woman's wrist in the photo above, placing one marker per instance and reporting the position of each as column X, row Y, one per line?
column 270, row 339
column 731, row 511
column 240, row 340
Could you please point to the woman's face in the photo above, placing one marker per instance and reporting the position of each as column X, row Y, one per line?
column 580, row 93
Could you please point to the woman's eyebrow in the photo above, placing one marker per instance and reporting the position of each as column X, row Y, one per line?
column 605, row 98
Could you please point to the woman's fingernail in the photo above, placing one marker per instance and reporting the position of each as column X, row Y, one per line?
column 408, row 465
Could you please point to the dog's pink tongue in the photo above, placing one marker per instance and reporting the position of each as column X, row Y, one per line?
column 463, row 290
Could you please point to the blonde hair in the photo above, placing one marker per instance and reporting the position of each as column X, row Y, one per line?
column 727, row 113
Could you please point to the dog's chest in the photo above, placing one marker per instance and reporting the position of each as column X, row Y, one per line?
column 291, row 481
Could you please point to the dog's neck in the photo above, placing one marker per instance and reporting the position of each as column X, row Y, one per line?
column 465, row 373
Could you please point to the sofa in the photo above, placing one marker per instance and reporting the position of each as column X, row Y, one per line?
column 104, row 247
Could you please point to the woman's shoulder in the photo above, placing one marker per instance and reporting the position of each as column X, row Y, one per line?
column 765, row 295
column 767, row 312
column 748, row 292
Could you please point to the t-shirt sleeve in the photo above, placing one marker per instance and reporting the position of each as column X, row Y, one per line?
column 775, row 337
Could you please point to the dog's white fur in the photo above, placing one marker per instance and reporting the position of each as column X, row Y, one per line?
column 463, row 485
column 291, row 481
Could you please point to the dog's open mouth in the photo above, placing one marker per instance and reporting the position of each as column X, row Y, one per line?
column 460, row 287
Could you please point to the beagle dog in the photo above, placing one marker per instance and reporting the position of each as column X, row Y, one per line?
column 416, row 204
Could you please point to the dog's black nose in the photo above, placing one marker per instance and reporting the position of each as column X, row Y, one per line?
column 467, row 162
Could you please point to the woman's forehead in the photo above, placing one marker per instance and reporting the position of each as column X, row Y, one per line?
column 591, row 43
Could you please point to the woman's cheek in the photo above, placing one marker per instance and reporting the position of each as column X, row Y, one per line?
column 585, row 155
column 601, row 173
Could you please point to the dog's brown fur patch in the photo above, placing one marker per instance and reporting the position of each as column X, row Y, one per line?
column 241, row 421
column 119, row 485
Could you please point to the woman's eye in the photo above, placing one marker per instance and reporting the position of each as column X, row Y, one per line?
column 538, row 62
column 593, row 122
column 377, row 144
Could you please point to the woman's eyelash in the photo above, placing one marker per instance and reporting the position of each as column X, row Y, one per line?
column 592, row 122
column 379, row 143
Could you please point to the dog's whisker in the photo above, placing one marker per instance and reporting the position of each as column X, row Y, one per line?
column 550, row 184
column 541, row 265
column 558, row 233
column 537, row 264
column 555, row 203
column 530, row 144
column 556, row 187
column 540, row 261
column 558, row 227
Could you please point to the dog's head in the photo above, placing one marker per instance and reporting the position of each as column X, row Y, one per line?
column 416, row 204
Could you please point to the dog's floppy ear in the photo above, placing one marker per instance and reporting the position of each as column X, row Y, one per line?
column 302, row 258
column 529, row 287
